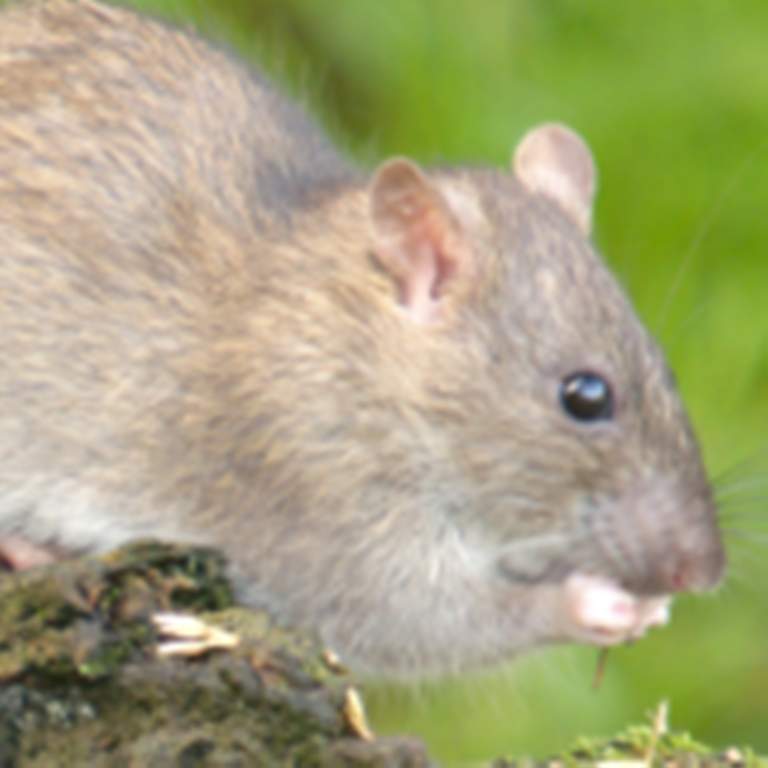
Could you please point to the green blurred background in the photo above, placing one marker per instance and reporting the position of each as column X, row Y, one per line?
column 673, row 99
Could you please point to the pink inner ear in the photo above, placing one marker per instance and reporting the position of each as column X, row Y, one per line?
column 434, row 263
column 554, row 161
column 416, row 237
column 428, row 259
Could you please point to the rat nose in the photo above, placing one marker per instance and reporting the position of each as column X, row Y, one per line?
column 672, row 570
column 697, row 571
column 686, row 558
column 675, row 544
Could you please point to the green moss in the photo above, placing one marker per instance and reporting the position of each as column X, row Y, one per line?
column 84, row 685
column 641, row 745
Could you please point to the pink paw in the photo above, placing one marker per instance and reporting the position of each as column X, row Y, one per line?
column 19, row 554
column 602, row 613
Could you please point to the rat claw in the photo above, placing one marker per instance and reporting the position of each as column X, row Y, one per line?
column 192, row 636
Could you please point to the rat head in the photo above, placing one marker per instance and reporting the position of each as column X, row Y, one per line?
column 570, row 480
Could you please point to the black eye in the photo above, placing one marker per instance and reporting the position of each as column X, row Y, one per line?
column 586, row 397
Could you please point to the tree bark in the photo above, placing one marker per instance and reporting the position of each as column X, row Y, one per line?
column 83, row 681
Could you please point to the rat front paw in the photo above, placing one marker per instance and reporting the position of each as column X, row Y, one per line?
column 602, row 613
column 18, row 554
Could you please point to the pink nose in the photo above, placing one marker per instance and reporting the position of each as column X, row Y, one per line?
column 697, row 572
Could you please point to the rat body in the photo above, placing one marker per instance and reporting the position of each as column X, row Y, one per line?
column 415, row 409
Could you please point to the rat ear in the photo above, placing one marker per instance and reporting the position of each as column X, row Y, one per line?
column 554, row 161
column 416, row 236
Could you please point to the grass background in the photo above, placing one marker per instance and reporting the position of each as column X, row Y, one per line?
column 673, row 99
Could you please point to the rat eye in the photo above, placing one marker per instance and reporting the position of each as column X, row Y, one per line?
column 586, row 397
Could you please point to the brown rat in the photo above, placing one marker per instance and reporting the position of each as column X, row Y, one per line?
column 413, row 407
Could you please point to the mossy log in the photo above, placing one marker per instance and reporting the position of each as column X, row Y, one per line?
column 86, row 680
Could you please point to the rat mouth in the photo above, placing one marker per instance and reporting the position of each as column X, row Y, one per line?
column 583, row 607
column 599, row 611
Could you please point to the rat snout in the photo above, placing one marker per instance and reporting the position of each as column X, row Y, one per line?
column 668, row 543
column 696, row 562
column 682, row 563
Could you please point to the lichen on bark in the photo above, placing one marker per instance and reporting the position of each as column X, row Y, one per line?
column 81, row 681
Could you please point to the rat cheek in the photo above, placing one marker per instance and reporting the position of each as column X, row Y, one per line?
column 538, row 558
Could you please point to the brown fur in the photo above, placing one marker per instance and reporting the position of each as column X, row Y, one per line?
column 199, row 342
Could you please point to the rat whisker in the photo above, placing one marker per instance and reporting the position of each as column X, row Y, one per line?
column 749, row 509
column 708, row 221
column 737, row 487
column 753, row 463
